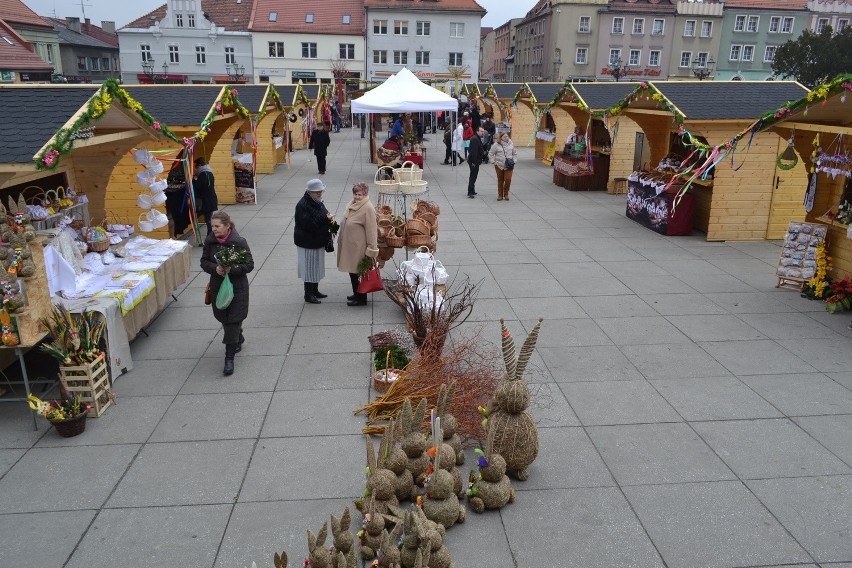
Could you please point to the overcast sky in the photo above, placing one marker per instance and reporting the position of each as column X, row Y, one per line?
column 499, row 11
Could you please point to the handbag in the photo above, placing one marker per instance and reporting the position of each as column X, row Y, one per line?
column 207, row 299
column 329, row 246
column 371, row 281
column 510, row 164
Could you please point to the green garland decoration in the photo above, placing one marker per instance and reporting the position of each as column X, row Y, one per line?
column 786, row 166
column 228, row 98
column 62, row 141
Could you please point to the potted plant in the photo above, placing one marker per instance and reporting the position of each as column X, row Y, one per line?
column 68, row 416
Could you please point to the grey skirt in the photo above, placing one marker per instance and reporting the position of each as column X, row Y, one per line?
column 311, row 264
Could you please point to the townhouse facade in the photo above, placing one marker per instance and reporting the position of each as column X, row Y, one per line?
column 486, row 53
column 695, row 40
column 89, row 53
column 834, row 13
column 38, row 36
column 636, row 37
column 504, row 49
column 574, row 43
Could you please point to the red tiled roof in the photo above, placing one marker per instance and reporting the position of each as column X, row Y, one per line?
column 90, row 30
column 768, row 4
column 484, row 31
column 19, row 56
column 221, row 12
column 426, row 5
column 659, row 6
column 291, row 16
column 16, row 12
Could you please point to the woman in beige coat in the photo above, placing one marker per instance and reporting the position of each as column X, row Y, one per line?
column 499, row 153
column 358, row 237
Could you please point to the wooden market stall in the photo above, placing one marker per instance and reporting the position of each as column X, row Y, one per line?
column 248, row 144
column 520, row 119
column 282, row 132
column 306, row 111
column 749, row 201
column 551, row 122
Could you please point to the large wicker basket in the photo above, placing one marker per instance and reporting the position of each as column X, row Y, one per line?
column 417, row 227
column 395, row 240
column 408, row 172
column 413, row 187
column 385, row 185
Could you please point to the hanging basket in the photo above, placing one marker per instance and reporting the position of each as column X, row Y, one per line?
column 385, row 185
column 417, row 227
column 394, row 240
column 416, row 241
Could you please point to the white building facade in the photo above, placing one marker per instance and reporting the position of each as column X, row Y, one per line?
column 283, row 58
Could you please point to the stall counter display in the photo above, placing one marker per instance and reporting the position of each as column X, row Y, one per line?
column 798, row 262
column 658, row 211
column 576, row 174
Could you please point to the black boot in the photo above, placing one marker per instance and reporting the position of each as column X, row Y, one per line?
column 358, row 300
column 230, row 351
column 240, row 344
column 317, row 293
column 310, row 297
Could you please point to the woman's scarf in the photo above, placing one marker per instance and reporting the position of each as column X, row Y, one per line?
column 352, row 207
column 202, row 169
column 224, row 239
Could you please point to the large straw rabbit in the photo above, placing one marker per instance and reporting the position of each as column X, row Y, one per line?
column 344, row 542
column 369, row 537
column 440, row 503
column 397, row 462
column 414, row 440
column 508, row 421
column 490, row 487
column 318, row 555
column 381, row 482
column 448, row 421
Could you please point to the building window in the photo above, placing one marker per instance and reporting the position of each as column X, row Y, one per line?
column 685, row 59
column 309, row 50
column 614, row 56
column 424, row 28
column 94, row 64
column 421, row 58
column 654, row 58
column 380, row 56
column 400, row 58
column 689, row 28
column 200, row 54
column 347, row 51
column 748, row 53
column 736, row 51
column 400, row 27
column 701, row 59
column 618, row 25
column 787, row 26
column 380, row 27
column 190, row 20
column 229, row 56
column 638, row 26
column 739, row 24
column 585, row 25
column 769, row 53
column 635, row 57
column 753, row 22
column 174, row 54
column 659, row 27
column 841, row 25
column 455, row 59
column 81, row 63
column 276, row 49
column 582, row 55
column 774, row 24
column 822, row 23
column 273, row 16
column 456, row 29
column 179, row 20
column 309, row 18
column 706, row 28
column 347, row 19
column 146, row 53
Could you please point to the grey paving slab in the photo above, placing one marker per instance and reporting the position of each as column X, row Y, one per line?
column 727, row 526
column 203, row 417
column 769, row 448
column 480, row 540
column 326, row 371
column 154, row 377
column 655, row 284
column 628, row 268
column 757, row 357
column 549, row 408
column 577, row 270
column 185, row 319
column 16, row 426
column 569, row 332
column 617, row 402
column 715, row 328
column 641, row 454
column 504, row 272
column 816, row 510
column 827, row 355
column 177, row 473
column 167, row 345
column 844, row 379
column 833, row 432
column 330, row 339
column 715, row 398
column 615, row 306
column 594, row 528
column 564, row 255
column 567, row 459
column 673, row 361
column 163, row 536
column 274, row 315
column 91, row 470
column 63, row 528
column 751, row 302
column 641, row 330
column 714, row 283
column 802, row 394
column 277, row 470
column 8, row 458
column 531, row 288
column 788, row 326
column 593, row 286
column 259, row 342
column 314, row 412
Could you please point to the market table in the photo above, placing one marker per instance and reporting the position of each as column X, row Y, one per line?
column 658, row 211
column 579, row 175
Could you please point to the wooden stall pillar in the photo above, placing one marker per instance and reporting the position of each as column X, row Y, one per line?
column 623, row 151
column 217, row 148
column 524, row 125
column 266, row 152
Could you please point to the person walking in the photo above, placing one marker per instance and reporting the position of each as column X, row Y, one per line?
column 467, row 134
column 225, row 235
column 176, row 197
column 335, row 115
column 458, row 144
column 204, row 186
column 319, row 143
column 311, row 235
column 448, row 143
column 491, row 131
column 474, row 159
column 503, row 155
column 357, row 238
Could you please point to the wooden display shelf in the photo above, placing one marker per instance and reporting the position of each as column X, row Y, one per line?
column 90, row 382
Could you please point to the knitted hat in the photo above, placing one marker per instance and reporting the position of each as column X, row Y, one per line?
column 315, row 186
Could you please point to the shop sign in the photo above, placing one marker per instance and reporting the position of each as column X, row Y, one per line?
column 7, row 76
column 304, row 74
column 647, row 72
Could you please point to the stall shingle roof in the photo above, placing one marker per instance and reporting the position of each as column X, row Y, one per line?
column 252, row 96
column 287, row 94
column 32, row 115
column 506, row 90
column 728, row 100
column 598, row 96
column 159, row 102
column 311, row 91
column 544, row 92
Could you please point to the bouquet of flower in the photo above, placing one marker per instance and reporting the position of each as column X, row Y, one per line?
column 74, row 338
column 841, row 296
column 54, row 411
column 231, row 256
column 333, row 228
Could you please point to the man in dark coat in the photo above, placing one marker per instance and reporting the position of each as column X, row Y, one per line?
column 319, row 143
column 474, row 159
column 203, row 184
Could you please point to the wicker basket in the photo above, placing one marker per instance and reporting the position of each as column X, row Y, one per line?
column 427, row 207
column 385, row 185
column 413, row 241
column 98, row 246
column 386, row 253
column 71, row 427
column 380, row 384
column 413, row 187
column 408, row 172
column 394, row 241
column 417, row 227
column 428, row 217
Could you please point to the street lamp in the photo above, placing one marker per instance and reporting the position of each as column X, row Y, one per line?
column 148, row 70
column 702, row 68
column 617, row 69
column 236, row 72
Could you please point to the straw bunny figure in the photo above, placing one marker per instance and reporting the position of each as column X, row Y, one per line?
column 427, row 536
column 19, row 256
column 490, row 488
column 414, row 440
column 507, row 419
column 388, row 556
column 448, row 421
column 22, row 222
column 318, row 555
column 344, row 542
column 381, row 481
column 397, row 462
column 5, row 229
column 369, row 537
column 440, row 504
column 280, row 561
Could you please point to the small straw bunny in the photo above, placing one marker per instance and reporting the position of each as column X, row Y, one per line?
column 369, row 537
column 421, row 534
column 440, row 504
column 414, row 440
column 344, row 542
column 381, row 482
column 397, row 462
column 448, row 421
column 318, row 555
column 489, row 488
column 388, row 556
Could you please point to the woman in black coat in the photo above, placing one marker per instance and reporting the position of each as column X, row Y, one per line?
column 225, row 235
column 203, row 184
column 310, row 235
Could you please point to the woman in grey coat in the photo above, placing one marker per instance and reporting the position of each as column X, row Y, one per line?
column 225, row 235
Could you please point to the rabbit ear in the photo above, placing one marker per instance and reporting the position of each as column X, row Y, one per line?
column 441, row 408
column 406, row 416
column 323, row 534
column 312, row 541
column 384, row 450
column 345, row 520
column 335, row 526
column 22, row 204
column 390, row 432
column 281, row 560
column 509, row 357
column 12, row 207
column 419, row 415
column 394, row 535
column 371, row 456
column 341, row 560
column 451, row 392
column 527, row 350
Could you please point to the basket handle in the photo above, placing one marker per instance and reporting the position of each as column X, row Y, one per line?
column 47, row 195
column 408, row 162
column 60, row 192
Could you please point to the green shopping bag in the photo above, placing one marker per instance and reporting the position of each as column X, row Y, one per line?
column 226, row 294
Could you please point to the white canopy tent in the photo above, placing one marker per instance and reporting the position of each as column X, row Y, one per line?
column 404, row 92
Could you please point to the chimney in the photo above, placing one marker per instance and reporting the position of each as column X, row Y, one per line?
column 73, row 24
column 88, row 22
column 108, row 27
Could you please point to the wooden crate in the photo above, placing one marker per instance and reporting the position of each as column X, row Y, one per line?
column 89, row 382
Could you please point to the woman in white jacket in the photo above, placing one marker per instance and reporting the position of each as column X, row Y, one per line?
column 500, row 152
column 458, row 144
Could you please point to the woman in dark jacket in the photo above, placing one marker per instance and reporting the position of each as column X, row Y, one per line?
column 311, row 234
column 176, row 205
column 225, row 235
column 203, row 184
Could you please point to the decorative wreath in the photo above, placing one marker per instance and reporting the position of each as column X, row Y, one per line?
column 787, row 159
